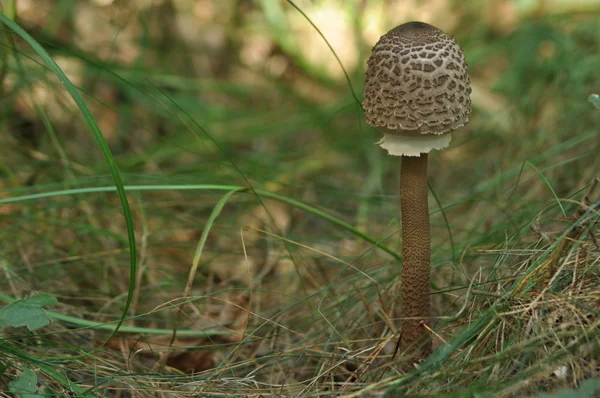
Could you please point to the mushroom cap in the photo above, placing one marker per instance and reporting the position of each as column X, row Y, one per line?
column 417, row 82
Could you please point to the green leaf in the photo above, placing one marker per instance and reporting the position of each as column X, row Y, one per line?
column 595, row 99
column 27, row 312
column 25, row 385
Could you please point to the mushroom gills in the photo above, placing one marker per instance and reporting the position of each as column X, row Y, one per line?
column 400, row 145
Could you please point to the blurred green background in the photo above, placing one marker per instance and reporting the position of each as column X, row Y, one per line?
column 248, row 93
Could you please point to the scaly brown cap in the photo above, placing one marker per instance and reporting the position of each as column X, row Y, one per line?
column 417, row 83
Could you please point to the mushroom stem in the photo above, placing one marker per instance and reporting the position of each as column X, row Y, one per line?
column 416, row 258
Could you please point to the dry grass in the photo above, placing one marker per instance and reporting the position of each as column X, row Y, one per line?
column 283, row 293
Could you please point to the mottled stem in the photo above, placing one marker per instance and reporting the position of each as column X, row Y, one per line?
column 416, row 260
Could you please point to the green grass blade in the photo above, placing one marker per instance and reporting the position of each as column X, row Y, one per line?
column 339, row 61
column 446, row 222
column 110, row 160
column 110, row 326
column 543, row 177
column 198, row 254
column 212, row 187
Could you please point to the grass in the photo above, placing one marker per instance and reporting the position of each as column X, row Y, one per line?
column 229, row 227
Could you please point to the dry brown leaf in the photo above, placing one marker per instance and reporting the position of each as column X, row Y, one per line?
column 192, row 361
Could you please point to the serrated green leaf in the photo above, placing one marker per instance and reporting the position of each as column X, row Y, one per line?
column 25, row 385
column 28, row 312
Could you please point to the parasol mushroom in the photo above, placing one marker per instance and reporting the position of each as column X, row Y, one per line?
column 417, row 91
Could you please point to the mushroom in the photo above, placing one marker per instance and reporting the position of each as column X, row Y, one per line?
column 416, row 92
